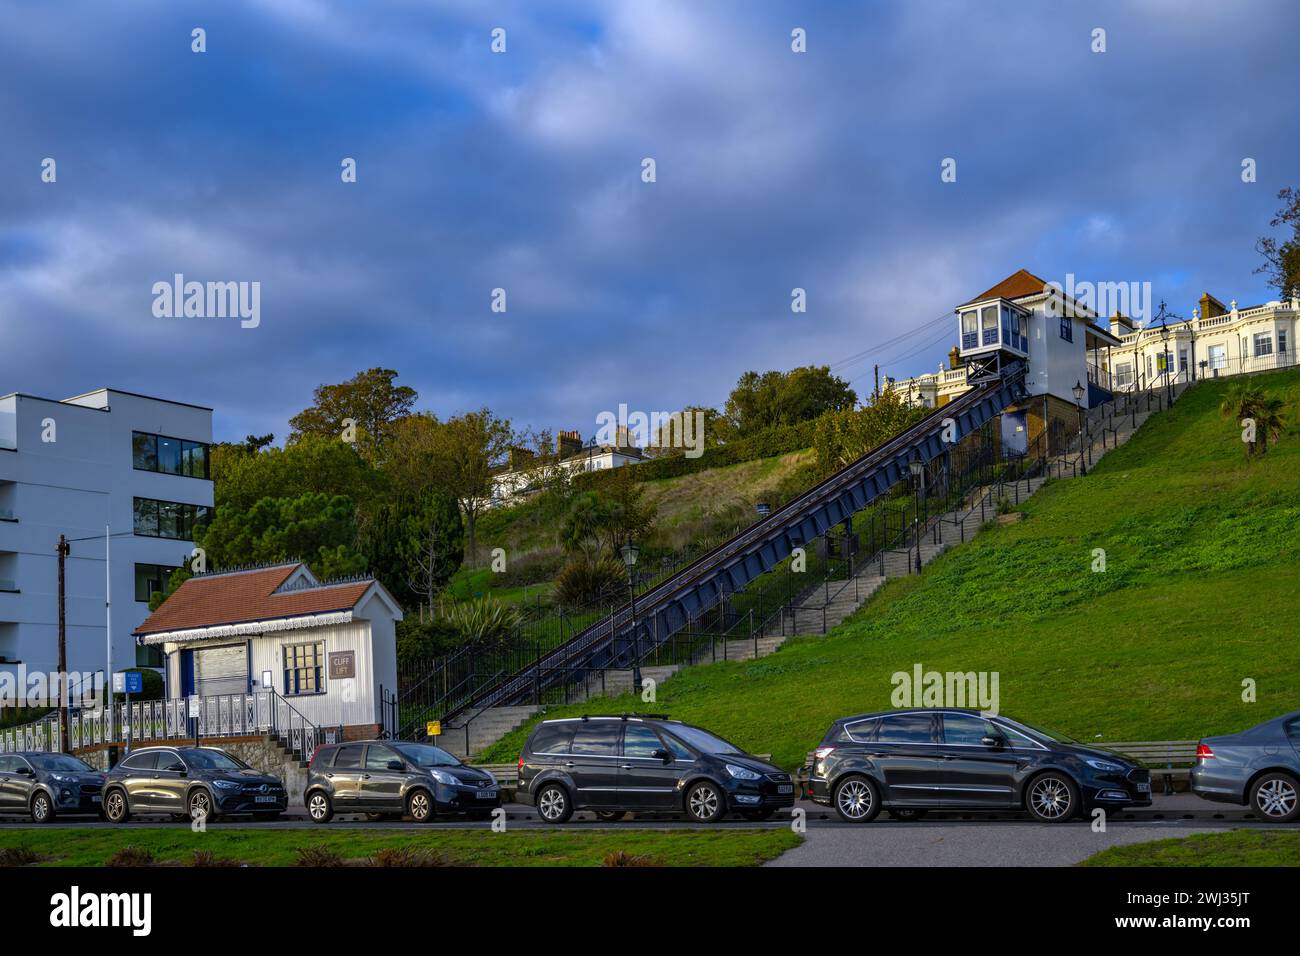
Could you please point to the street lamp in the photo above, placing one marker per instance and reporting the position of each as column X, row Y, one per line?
column 630, row 553
column 1078, row 391
column 916, row 468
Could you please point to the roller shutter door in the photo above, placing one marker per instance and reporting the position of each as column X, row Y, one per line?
column 221, row 670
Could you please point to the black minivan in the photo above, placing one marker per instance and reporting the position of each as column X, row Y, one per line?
column 613, row 765
column 911, row 761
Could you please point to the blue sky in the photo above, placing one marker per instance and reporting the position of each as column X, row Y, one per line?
column 522, row 171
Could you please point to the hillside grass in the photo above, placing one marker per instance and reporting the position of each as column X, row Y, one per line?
column 1201, row 546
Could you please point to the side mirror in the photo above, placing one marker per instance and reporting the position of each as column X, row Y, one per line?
column 25, row 771
column 177, row 768
column 396, row 765
column 991, row 741
column 663, row 754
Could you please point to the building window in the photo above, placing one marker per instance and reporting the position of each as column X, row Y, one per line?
column 1281, row 341
column 1123, row 374
column 302, row 669
column 169, row 519
column 151, row 579
column 970, row 336
column 1263, row 344
column 1182, row 360
column 1067, row 328
column 989, row 319
column 1218, row 356
column 169, row 456
column 1149, row 367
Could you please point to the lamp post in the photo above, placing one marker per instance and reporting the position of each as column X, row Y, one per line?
column 630, row 553
column 1078, row 391
column 916, row 468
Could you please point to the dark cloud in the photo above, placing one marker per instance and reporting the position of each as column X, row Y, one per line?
column 522, row 171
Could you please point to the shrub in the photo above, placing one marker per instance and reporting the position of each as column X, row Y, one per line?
column 584, row 581
column 405, row 856
column 532, row 569
column 206, row 858
column 19, row 856
column 131, row 855
column 420, row 640
column 318, row 855
column 623, row 858
column 482, row 619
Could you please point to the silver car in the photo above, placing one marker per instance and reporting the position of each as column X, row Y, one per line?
column 1259, row 767
column 44, row 785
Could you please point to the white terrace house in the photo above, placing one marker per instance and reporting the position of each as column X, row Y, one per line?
column 135, row 465
column 519, row 477
column 1216, row 340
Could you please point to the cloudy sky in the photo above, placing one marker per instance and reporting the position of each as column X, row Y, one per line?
column 522, row 170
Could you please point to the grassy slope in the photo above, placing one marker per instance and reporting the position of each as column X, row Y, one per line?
column 1231, row 848
column 1200, row 546
column 93, row 847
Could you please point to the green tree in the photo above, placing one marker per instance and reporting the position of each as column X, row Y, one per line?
column 1247, row 402
column 315, row 527
column 784, row 398
column 462, row 454
column 845, row 436
column 599, row 523
column 313, row 464
column 1282, row 259
column 371, row 399
column 432, row 544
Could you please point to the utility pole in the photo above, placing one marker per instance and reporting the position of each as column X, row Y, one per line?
column 63, row 551
column 876, row 394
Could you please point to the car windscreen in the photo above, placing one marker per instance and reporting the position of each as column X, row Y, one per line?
column 59, row 762
column 702, row 740
column 212, row 760
column 426, row 755
column 1042, row 731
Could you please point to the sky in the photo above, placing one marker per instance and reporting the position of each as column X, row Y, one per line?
column 524, row 171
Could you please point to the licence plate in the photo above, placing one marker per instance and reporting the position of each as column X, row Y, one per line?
column 265, row 799
column 487, row 794
column 1144, row 788
column 785, row 788
column 96, row 798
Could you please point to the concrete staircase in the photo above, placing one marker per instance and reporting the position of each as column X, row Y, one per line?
column 485, row 728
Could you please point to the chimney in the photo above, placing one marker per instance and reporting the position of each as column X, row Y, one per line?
column 623, row 437
column 954, row 357
column 519, row 458
column 1121, row 324
column 567, row 443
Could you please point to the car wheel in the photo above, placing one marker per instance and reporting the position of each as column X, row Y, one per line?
column 907, row 813
column 319, row 807
column 200, row 805
column 705, row 802
column 116, row 809
column 42, row 808
column 1052, row 798
column 757, row 815
column 610, row 816
column 856, row 800
column 419, row 806
column 553, row 804
column 1276, row 797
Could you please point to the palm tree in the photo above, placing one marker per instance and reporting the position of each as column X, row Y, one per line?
column 1246, row 401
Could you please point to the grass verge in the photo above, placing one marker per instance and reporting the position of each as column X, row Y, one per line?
column 1231, row 848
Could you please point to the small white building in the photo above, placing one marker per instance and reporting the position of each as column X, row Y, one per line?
column 109, row 459
column 329, row 650
column 524, row 472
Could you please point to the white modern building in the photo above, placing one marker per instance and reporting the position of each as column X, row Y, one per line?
column 136, row 466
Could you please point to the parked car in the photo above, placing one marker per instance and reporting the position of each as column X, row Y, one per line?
column 188, row 783
column 395, row 778
column 45, row 785
column 613, row 765
column 1259, row 767
column 911, row 761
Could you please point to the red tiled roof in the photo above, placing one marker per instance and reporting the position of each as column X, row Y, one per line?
column 1015, row 286
column 243, row 596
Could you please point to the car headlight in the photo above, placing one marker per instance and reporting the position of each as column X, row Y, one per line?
column 742, row 773
column 444, row 777
column 61, row 778
column 226, row 784
column 1104, row 765
column 492, row 780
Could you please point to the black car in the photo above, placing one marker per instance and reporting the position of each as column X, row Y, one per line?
column 911, row 761
column 616, row 764
column 1259, row 767
column 188, row 783
column 395, row 778
column 44, row 785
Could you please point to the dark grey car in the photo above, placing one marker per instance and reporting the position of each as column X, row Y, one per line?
column 393, row 778
column 188, row 783
column 1259, row 767
column 44, row 785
